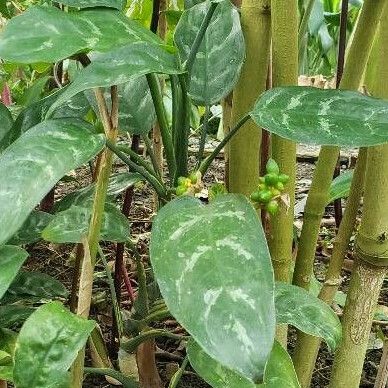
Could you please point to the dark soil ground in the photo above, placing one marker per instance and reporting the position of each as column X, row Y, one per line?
column 56, row 261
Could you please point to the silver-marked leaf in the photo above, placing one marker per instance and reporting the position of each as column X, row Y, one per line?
column 11, row 259
column 136, row 109
column 7, row 350
column 215, row 374
column 323, row 116
column 13, row 315
column 72, row 224
column 118, row 4
column 279, row 371
column 47, row 345
column 37, row 160
column 35, row 113
column 117, row 183
column 119, row 66
column 31, row 229
column 298, row 307
column 6, row 121
column 36, row 284
column 220, row 57
column 340, row 186
column 54, row 35
column 196, row 252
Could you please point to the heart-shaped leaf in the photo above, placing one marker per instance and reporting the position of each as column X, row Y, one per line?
column 299, row 308
column 11, row 259
column 31, row 229
column 38, row 159
column 323, row 116
column 118, row 4
column 214, row 271
column 54, row 35
column 72, row 224
column 47, row 345
column 119, row 66
column 221, row 54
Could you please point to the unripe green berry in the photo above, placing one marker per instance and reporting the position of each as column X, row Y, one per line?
column 180, row 190
column 271, row 179
column 272, row 207
column 255, row 196
column 182, row 181
column 284, row 178
column 265, row 196
column 279, row 186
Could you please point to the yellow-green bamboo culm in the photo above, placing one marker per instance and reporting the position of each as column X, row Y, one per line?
column 244, row 147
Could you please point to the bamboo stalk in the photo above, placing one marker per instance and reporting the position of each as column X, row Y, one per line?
column 244, row 148
column 371, row 249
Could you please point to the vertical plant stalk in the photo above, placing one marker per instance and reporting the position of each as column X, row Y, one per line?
column 371, row 248
column 285, row 72
column 244, row 148
column 316, row 201
column 382, row 374
column 202, row 140
column 307, row 346
column 303, row 26
column 110, row 123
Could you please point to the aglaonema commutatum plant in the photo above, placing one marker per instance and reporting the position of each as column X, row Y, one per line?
column 211, row 261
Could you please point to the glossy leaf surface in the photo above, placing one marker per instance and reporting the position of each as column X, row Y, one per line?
column 196, row 251
column 37, row 160
column 323, row 116
column 340, row 186
column 72, row 224
column 221, row 54
column 54, row 35
column 120, row 66
column 118, row 4
column 12, row 315
column 47, row 345
column 11, row 259
column 306, row 312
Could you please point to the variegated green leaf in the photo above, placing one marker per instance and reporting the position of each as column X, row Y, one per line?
column 299, row 308
column 323, row 116
column 217, row 375
column 72, row 224
column 11, row 259
column 37, row 160
column 47, row 345
column 136, row 109
column 31, row 229
column 196, row 252
column 221, row 54
column 54, row 35
column 118, row 4
column 119, row 66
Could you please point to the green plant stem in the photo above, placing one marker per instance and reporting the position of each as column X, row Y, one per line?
column 206, row 163
column 355, row 65
column 110, row 123
column 371, row 247
column 244, row 149
column 174, row 382
column 112, row 290
column 152, row 179
column 202, row 140
column 182, row 129
column 156, row 94
column 307, row 347
column 126, row 381
column 155, row 164
column 198, row 39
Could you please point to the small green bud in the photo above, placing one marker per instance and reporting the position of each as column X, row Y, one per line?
column 271, row 179
column 255, row 196
column 279, row 186
column 182, row 181
column 180, row 190
column 272, row 207
column 272, row 167
column 284, row 178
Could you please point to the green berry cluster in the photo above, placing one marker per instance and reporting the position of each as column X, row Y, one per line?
column 270, row 188
column 186, row 185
